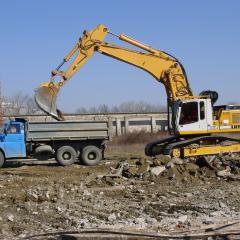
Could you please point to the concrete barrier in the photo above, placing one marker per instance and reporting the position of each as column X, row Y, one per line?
column 122, row 123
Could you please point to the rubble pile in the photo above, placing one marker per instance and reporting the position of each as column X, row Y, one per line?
column 153, row 169
column 124, row 192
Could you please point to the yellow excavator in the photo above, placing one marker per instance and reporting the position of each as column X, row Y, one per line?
column 197, row 127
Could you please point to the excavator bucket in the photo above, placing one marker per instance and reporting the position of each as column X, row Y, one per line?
column 46, row 97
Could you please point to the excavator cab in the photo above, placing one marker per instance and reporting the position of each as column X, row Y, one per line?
column 193, row 116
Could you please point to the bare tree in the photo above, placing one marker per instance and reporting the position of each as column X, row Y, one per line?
column 93, row 110
column 115, row 109
column 133, row 106
column 31, row 106
column 103, row 108
column 130, row 106
column 19, row 103
column 233, row 103
column 82, row 110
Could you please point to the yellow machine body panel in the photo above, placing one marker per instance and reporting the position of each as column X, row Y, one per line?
column 229, row 119
column 210, row 150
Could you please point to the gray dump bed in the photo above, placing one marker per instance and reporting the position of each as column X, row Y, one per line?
column 67, row 130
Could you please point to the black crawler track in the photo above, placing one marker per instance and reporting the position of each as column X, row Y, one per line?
column 149, row 147
column 216, row 233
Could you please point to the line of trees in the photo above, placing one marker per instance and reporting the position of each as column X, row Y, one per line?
column 19, row 103
column 129, row 106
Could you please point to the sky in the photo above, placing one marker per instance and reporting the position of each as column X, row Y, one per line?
column 36, row 35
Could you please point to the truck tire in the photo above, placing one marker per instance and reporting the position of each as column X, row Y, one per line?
column 66, row 155
column 2, row 159
column 91, row 155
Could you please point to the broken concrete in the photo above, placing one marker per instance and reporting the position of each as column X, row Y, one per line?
column 120, row 193
column 158, row 170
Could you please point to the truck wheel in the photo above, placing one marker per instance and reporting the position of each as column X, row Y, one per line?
column 91, row 155
column 66, row 155
column 2, row 159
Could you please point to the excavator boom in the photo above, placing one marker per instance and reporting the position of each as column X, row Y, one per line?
column 162, row 66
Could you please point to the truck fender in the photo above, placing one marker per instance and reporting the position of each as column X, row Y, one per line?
column 43, row 152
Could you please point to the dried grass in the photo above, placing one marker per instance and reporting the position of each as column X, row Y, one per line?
column 138, row 137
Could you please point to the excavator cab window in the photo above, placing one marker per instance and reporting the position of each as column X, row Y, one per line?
column 202, row 110
column 189, row 113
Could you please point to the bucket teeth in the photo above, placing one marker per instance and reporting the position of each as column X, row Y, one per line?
column 46, row 97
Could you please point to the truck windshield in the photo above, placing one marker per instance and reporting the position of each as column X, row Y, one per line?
column 13, row 129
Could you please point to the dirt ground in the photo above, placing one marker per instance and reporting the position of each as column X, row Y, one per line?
column 126, row 191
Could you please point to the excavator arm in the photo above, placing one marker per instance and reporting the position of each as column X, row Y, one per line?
column 162, row 66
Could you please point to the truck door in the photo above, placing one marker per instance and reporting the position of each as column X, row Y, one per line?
column 14, row 141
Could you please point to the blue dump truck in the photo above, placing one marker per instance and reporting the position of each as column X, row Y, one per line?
column 66, row 141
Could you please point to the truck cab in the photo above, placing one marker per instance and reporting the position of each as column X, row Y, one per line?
column 12, row 140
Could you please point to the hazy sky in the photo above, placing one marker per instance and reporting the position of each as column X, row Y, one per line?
column 203, row 35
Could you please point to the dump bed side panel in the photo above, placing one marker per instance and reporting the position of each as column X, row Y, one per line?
column 42, row 131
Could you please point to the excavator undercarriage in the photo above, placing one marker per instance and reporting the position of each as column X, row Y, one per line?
column 192, row 146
